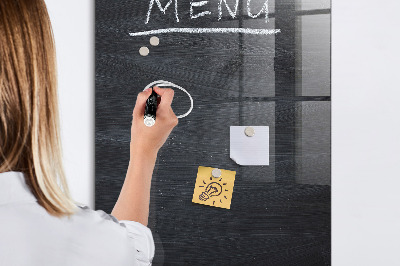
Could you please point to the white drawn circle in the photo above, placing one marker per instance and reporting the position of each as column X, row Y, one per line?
column 144, row 51
column 154, row 41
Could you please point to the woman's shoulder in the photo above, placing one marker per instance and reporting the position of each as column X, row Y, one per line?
column 138, row 236
column 104, row 217
column 84, row 211
column 93, row 221
column 87, row 235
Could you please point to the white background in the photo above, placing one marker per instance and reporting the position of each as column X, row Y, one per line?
column 365, row 121
column 73, row 26
column 366, row 132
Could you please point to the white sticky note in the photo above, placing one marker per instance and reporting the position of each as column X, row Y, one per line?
column 245, row 150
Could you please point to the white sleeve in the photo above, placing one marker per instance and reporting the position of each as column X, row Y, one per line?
column 143, row 240
column 140, row 235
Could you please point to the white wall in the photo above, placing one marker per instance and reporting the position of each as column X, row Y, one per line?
column 73, row 25
column 366, row 132
column 365, row 121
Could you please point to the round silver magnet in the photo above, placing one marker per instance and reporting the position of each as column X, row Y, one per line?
column 144, row 51
column 154, row 41
column 216, row 173
column 249, row 131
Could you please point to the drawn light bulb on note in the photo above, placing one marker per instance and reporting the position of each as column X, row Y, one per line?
column 213, row 189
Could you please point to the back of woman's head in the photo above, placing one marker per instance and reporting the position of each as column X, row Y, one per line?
column 29, row 118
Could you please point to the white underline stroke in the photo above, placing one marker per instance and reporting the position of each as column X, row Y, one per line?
column 208, row 30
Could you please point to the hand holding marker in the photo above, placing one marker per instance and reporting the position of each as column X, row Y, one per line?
column 152, row 102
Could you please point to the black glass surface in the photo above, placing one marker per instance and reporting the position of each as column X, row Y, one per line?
column 280, row 213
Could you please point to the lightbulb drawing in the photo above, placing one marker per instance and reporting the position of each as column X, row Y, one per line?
column 213, row 189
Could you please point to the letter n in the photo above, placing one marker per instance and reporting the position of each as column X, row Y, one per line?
column 232, row 13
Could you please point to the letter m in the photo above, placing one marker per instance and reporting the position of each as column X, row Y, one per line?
column 162, row 9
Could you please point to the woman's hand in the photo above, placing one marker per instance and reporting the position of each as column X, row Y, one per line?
column 146, row 141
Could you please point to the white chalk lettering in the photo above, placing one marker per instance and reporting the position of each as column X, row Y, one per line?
column 162, row 9
column 233, row 14
column 263, row 9
column 198, row 4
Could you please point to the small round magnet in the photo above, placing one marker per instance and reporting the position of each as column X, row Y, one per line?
column 143, row 51
column 216, row 173
column 154, row 41
column 249, row 131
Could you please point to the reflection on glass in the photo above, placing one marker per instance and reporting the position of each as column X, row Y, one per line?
column 313, row 55
column 313, row 150
column 258, row 61
column 313, row 4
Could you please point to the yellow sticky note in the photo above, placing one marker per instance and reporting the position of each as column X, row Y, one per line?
column 216, row 192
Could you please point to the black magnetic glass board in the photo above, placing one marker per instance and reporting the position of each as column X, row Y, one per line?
column 281, row 213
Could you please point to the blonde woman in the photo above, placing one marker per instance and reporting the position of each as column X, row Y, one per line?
column 40, row 223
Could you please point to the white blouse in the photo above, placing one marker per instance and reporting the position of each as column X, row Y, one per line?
column 31, row 236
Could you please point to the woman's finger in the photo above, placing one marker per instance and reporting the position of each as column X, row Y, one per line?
column 141, row 103
column 167, row 95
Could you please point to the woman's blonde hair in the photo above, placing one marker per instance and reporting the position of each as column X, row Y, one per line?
column 29, row 117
